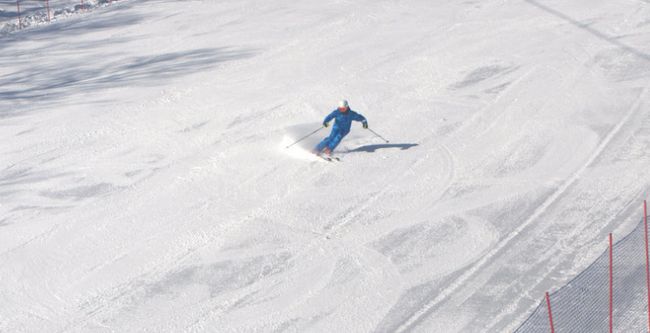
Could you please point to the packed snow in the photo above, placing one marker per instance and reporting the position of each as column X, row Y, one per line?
column 145, row 183
column 21, row 14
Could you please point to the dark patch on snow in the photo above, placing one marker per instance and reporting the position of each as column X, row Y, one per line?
column 57, row 83
column 374, row 148
column 221, row 276
column 46, row 208
column 483, row 73
column 7, row 193
column 26, row 131
column 27, row 176
column 497, row 89
column 133, row 173
column 80, row 192
column 195, row 127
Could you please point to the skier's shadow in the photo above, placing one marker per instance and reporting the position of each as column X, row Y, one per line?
column 373, row 148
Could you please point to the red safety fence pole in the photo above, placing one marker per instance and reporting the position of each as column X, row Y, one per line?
column 647, row 256
column 20, row 23
column 47, row 5
column 550, row 314
column 611, row 286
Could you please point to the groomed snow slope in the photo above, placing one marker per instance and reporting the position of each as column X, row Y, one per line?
column 144, row 183
column 34, row 12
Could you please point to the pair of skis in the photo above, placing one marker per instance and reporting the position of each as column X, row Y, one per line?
column 326, row 157
column 330, row 158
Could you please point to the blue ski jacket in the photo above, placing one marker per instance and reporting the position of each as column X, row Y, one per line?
column 343, row 120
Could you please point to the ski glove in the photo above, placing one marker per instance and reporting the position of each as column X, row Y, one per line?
column 365, row 124
column 325, row 124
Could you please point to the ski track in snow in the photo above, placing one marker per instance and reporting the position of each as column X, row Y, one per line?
column 505, row 241
column 151, row 190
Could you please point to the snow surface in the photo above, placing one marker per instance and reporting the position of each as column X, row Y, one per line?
column 35, row 12
column 145, row 184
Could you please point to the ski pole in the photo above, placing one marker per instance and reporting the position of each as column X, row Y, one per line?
column 306, row 136
column 379, row 136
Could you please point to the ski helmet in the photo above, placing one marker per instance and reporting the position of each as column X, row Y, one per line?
column 343, row 104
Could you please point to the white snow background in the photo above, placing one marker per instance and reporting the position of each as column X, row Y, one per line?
column 145, row 184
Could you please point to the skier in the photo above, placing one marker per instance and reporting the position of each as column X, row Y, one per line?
column 343, row 121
